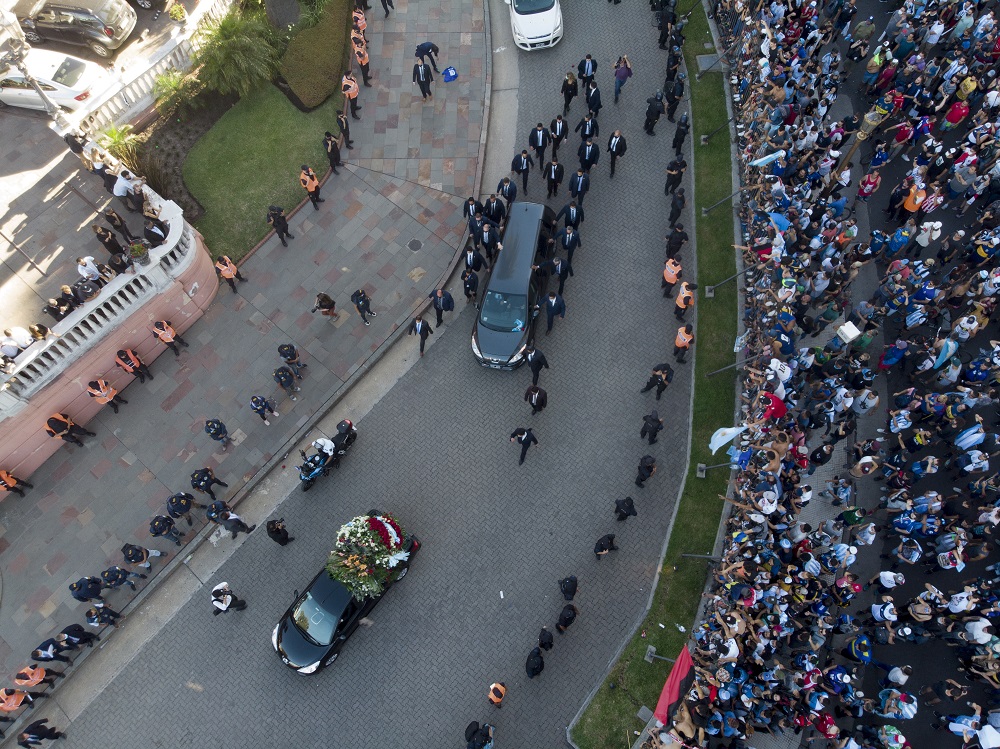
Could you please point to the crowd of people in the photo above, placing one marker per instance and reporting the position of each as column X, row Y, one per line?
column 793, row 639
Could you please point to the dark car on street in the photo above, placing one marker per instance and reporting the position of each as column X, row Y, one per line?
column 101, row 25
column 313, row 630
column 505, row 325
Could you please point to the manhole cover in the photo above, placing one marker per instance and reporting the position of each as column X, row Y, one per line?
column 415, row 245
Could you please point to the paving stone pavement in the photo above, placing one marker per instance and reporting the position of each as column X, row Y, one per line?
column 435, row 451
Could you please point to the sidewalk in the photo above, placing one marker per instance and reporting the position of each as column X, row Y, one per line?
column 396, row 238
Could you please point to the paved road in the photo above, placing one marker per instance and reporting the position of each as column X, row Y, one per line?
column 435, row 451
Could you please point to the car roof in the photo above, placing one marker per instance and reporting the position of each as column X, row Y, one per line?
column 329, row 593
column 28, row 8
column 520, row 242
column 44, row 63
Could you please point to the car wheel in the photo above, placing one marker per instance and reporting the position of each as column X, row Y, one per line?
column 100, row 50
column 32, row 37
column 307, row 485
column 144, row 4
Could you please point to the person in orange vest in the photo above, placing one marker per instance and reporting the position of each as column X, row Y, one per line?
column 685, row 299
column 349, row 85
column 63, row 427
column 358, row 16
column 671, row 272
column 228, row 271
column 164, row 332
column 358, row 40
column 33, row 675
column 496, row 694
column 361, row 53
column 129, row 361
column 683, row 341
column 310, row 182
column 11, row 699
column 102, row 391
column 11, row 483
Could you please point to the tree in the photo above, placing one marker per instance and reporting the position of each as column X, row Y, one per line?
column 121, row 143
column 237, row 54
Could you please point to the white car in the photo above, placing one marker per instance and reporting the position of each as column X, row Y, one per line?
column 535, row 24
column 68, row 81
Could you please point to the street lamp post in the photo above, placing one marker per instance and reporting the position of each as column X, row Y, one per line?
column 13, row 50
column 871, row 121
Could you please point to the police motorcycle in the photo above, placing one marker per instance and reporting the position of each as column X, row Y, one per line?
column 327, row 455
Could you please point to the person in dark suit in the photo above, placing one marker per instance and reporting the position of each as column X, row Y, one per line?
column 154, row 231
column 443, row 302
column 616, row 147
column 579, row 184
column 521, row 164
column 420, row 328
column 587, row 127
column 572, row 213
column 585, row 70
column 489, row 236
column 495, row 210
column 422, row 76
column 647, row 467
column 545, row 641
column 568, row 239
column 525, row 439
column 677, row 203
column 474, row 261
column 651, row 425
column 589, row 155
column 429, row 49
column 558, row 130
column 107, row 238
column 536, row 363
column 471, row 208
column 476, row 224
column 568, row 587
column 535, row 663
column 624, row 509
column 537, row 397
column 74, row 635
column 470, row 285
column 553, row 174
column 594, row 99
column 604, row 545
column 539, row 141
column 566, row 618
column 554, row 306
column 507, row 190
column 555, row 267
column 278, row 533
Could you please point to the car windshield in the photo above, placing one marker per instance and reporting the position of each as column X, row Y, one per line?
column 316, row 623
column 525, row 7
column 507, row 313
column 69, row 72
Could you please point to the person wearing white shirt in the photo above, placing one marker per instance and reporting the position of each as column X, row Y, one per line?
column 87, row 267
column 223, row 599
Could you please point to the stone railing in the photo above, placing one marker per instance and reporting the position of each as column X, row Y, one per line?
column 134, row 93
column 43, row 361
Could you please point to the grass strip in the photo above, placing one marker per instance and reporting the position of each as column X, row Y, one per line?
column 611, row 715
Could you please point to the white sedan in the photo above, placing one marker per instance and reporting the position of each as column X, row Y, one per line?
column 535, row 24
column 68, row 81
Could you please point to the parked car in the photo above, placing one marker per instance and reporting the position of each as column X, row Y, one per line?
column 506, row 321
column 314, row 629
column 101, row 25
column 68, row 81
column 535, row 24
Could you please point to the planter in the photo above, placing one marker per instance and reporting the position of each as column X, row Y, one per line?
column 139, row 252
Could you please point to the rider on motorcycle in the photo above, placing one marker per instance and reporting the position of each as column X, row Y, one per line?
column 326, row 448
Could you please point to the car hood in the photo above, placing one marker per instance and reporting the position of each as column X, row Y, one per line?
column 499, row 345
column 295, row 649
column 537, row 24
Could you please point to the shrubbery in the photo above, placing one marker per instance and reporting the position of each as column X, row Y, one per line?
column 316, row 57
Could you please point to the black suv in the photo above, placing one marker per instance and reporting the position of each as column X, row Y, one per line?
column 101, row 25
column 506, row 321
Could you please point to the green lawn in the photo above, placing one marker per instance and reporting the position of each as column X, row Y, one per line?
column 610, row 718
column 251, row 159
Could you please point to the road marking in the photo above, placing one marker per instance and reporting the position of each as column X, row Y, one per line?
column 499, row 49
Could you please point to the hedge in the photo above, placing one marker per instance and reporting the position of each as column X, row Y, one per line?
column 316, row 57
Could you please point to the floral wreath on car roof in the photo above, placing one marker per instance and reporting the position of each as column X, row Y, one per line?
column 368, row 548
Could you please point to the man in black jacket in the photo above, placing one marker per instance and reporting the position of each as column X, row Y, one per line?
column 572, row 213
column 539, row 141
column 421, row 329
column 616, row 147
column 589, row 155
column 553, row 175
column 536, row 363
column 558, row 130
column 537, row 397
column 651, row 425
column 525, row 439
column 443, row 302
column 522, row 164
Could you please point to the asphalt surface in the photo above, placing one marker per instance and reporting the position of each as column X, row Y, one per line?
column 434, row 451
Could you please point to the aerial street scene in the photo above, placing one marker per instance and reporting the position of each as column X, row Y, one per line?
column 511, row 373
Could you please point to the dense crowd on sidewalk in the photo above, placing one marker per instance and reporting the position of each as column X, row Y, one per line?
column 791, row 629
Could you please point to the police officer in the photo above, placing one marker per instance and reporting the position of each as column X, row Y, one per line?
column 262, row 407
column 87, row 589
column 496, row 694
column 651, row 424
column 685, row 299
column 683, row 127
column 349, row 85
column 674, row 96
column 286, row 379
column 675, row 173
column 216, row 509
column 654, row 108
column 63, row 427
column 332, row 149
column 138, row 556
column 103, row 393
column 661, row 377
column 677, row 203
column 345, row 128
column 217, row 431
column 671, row 273
column 115, row 577
column 203, row 480
column 129, row 361
column 290, row 356
column 276, row 218
column 162, row 526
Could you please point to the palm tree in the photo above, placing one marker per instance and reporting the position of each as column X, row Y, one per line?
column 237, row 54
column 121, row 143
